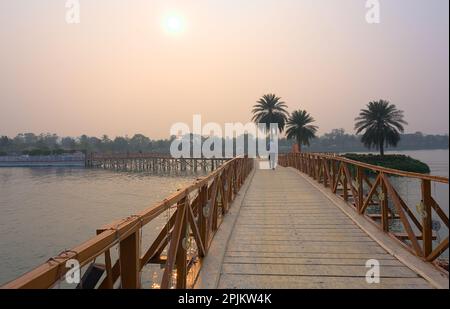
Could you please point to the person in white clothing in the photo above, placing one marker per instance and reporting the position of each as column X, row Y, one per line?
column 272, row 155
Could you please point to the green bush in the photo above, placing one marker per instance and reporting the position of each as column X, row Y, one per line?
column 37, row 152
column 58, row 152
column 398, row 162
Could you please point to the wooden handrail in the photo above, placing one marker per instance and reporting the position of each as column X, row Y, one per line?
column 385, row 170
column 126, row 233
column 355, row 187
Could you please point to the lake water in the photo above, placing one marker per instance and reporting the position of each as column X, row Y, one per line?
column 44, row 211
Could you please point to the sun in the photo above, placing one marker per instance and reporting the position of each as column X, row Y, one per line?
column 174, row 24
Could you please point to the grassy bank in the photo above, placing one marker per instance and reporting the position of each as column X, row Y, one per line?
column 398, row 162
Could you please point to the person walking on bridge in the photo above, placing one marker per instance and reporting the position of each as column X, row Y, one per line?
column 273, row 153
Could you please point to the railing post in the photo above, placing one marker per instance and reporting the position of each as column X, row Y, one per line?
column 317, row 169
column 310, row 164
column 230, row 183
column 305, row 168
column 202, row 222
column 181, row 263
column 360, row 175
column 384, row 207
column 130, row 261
column 332, row 173
column 224, row 191
column 314, row 167
column 427, row 218
column 344, row 183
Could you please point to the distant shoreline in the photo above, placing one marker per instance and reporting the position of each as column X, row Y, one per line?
column 42, row 164
column 68, row 160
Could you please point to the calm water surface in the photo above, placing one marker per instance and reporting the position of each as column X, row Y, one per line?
column 44, row 211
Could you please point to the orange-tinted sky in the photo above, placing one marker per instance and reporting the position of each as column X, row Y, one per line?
column 120, row 72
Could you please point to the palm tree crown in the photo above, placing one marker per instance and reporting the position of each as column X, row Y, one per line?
column 299, row 127
column 382, row 124
column 270, row 109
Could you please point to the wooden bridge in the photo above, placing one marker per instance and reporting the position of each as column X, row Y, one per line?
column 151, row 162
column 314, row 222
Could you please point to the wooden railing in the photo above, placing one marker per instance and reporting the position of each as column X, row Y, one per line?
column 151, row 162
column 369, row 190
column 178, row 248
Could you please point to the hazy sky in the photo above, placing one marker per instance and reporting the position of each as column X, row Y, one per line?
column 121, row 72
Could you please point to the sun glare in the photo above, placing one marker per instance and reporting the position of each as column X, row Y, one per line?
column 174, row 24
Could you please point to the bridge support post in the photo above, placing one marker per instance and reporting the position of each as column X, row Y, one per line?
column 360, row 176
column 427, row 219
column 130, row 261
column 202, row 222
column 384, row 208
column 344, row 183
column 181, row 258
column 333, row 174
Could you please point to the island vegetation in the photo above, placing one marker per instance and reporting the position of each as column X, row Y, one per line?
column 379, row 126
column 394, row 161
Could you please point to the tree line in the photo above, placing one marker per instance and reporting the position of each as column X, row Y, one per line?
column 335, row 141
column 379, row 125
column 43, row 144
column 340, row 141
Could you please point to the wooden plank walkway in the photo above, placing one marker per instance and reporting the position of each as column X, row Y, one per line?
column 288, row 234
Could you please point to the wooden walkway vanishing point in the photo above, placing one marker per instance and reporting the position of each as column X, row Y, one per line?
column 289, row 234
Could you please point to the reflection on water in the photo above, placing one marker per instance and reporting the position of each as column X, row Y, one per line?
column 45, row 211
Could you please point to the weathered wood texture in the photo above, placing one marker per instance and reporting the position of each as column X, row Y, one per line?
column 289, row 235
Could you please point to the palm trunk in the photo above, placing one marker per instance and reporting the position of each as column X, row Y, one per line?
column 299, row 146
column 382, row 148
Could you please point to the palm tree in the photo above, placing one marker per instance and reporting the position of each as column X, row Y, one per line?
column 270, row 109
column 382, row 124
column 300, row 128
